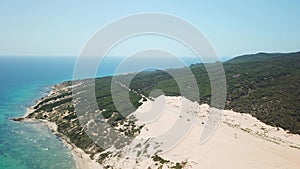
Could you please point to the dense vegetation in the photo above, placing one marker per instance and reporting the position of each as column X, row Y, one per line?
column 268, row 89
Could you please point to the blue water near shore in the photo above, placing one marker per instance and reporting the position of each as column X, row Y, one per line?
column 23, row 80
column 30, row 145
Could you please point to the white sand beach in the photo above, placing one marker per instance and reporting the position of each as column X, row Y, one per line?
column 82, row 160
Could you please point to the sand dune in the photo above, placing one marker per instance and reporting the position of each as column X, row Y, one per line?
column 241, row 141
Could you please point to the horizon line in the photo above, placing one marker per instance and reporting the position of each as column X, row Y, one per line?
column 228, row 57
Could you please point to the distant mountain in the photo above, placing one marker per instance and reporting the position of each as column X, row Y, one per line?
column 260, row 57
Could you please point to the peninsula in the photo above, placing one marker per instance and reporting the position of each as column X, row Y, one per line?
column 259, row 127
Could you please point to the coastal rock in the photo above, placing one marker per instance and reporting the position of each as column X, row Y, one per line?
column 18, row 119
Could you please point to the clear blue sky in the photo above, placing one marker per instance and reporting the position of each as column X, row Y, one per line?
column 234, row 27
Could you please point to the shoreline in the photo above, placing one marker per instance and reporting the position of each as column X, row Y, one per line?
column 81, row 159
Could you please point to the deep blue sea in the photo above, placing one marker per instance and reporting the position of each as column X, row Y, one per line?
column 24, row 80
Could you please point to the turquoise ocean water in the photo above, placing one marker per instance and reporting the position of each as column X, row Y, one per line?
column 23, row 80
column 30, row 145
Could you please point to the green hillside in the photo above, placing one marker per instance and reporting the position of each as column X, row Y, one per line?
column 259, row 57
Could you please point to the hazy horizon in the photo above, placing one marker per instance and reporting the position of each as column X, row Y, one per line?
column 222, row 58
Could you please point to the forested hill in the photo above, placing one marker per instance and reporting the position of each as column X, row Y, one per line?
column 260, row 57
column 267, row 87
